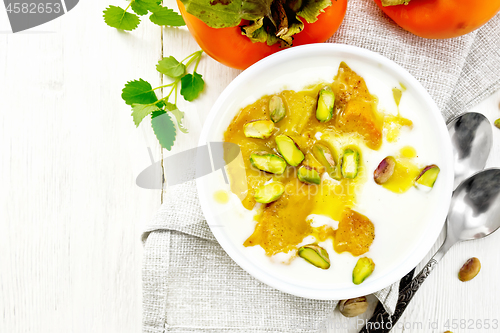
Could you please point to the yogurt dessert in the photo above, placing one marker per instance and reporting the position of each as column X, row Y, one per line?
column 337, row 179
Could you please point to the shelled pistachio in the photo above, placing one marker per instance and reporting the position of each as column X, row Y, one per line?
column 269, row 192
column 384, row 170
column 308, row 175
column 259, row 129
column 326, row 101
column 315, row 255
column 350, row 163
column 277, row 110
column 325, row 157
column 363, row 269
column 425, row 181
column 268, row 162
column 289, row 150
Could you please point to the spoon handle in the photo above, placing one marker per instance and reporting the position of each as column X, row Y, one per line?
column 381, row 321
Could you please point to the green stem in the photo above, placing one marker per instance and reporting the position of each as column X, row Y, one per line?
column 130, row 4
column 197, row 62
column 171, row 90
column 166, row 85
column 170, row 93
column 125, row 11
column 175, row 94
column 189, row 56
column 195, row 56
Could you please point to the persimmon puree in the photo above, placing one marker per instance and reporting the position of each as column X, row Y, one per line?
column 356, row 123
column 282, row 224
column 355, row 233
column 356, row 108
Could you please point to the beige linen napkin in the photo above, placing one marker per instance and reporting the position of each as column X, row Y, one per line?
column 191, row 285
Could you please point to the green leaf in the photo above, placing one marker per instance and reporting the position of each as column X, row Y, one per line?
column 142, row 7
column 178, row 114
column 227, row 13
column 171, row 67
column 312, row 9
column 138, row 8
column 118, row 18
column 164, row 128
column 191, row 86
column 139, row 111
column 138, row 92
column 166, row 16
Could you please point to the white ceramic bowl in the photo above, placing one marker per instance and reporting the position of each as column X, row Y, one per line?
column 295, row 68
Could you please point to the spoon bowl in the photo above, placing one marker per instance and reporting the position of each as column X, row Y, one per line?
column 475, row 207
column 471, row 137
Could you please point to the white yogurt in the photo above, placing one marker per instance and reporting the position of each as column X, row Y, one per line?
column 400, row 220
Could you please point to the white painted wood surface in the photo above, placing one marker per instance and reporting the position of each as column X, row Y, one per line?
column 71, row 215
column 70, row 212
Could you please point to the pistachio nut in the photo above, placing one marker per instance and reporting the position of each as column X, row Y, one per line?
column 353, row 307
column 269, row 192
column 469, row 270
column 268, row 162
column 315, row 255
column 289, row 150
column 326, row 101
column 308, row 175
column 427, row 177
column 277, row 109
column 363, row 269
column 259, row 129
column 384, row 170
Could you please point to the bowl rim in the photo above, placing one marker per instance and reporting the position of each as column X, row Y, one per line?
column 439, row 216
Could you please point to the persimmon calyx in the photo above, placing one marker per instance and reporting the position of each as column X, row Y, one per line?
column 387, row 3
column 268, row 21
column 284, row 20
column 262, row 30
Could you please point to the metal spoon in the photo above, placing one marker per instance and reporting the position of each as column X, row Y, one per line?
column 474, row 213
column 471, row 137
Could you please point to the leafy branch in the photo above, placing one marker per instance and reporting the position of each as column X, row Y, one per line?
column 142, row 97
column 119, row 18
